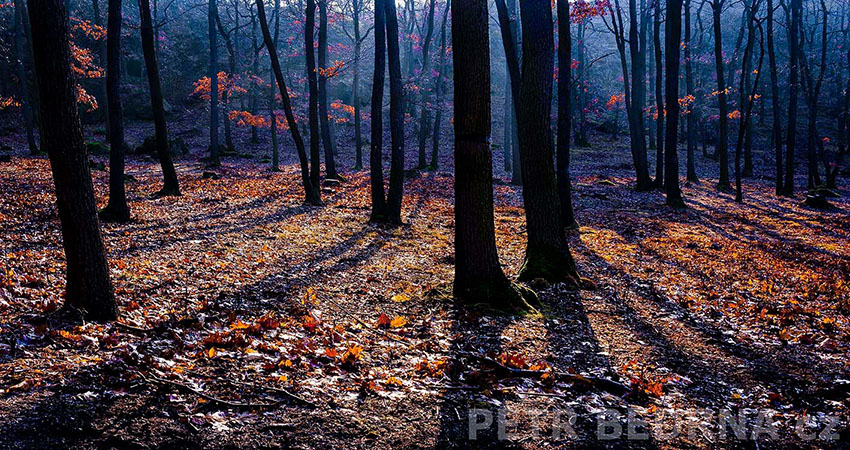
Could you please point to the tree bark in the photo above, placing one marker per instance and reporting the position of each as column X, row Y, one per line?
column 438, row 88
column 547, row 254
column 721, row 151
column 170, row 186
column 26, row 104
column 117, row 209
column 689, row 87
column 376, row 159
column 673, row 36
column 659, row 92
column 793, row 87
column 88, row 287
column 212, row 13
column 564, row 115
column 358, row 138
column 478, row 276
column 396, row 190
column 311, row 191
column 327, row 142
column 425, row 96
column 310, row 52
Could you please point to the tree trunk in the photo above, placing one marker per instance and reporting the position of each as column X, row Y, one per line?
column 88, row 287
column 212, row 13
column 673, row 35
column 116, row 210
column 438, row 88
column 776, row 129
column 478, row 276
column 689, row 86
column 163, row 152
column 272, row 102
column 311, row 191
column 327, row 141
column 358, row 138
column 26, row 105
column 721, row 151
column 793, row 87
column 376, row 157
column 424, row 112
column 394, row 196
column 309, row 50
column 101, row 50
column 637, row 51
column 547, row 255
column 659, row 92
column 564, row 115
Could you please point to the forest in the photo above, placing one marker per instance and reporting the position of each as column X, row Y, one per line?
column 424, row 224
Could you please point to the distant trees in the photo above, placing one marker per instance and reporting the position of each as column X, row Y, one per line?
column 163, row 151
column 212, row 13
column 88, row 287
column 20, row 53
column 721, row 149
column 324, row 71
column 313, row 92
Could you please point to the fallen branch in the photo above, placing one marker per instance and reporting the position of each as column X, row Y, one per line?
column 277, row 390
column 603, row 384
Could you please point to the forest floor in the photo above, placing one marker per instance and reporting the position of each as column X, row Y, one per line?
column 248, row 320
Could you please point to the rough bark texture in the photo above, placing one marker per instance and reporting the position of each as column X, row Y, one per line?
column 88, row 286
column 564, row 115
column 169, row 174
column 547, row 255
column 394, row 196
column 659, row 93
column 793, row 87
column 358, row 138
column 478, row 276
column 117, row 209
column 311, row 191
column 376, row 169
column 673, row 34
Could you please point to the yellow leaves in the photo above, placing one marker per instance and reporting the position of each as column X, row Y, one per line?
column 309, row 323
column 310, row 296
column 239, row 325
column 211, row 352
column 384, row 321
column 352, row 355
column 393, row 382
column 401, row 298
column 398, row 322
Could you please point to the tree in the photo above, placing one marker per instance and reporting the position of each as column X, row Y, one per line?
column 327, row 141
column 547, row 254
column 747, row 96
column 313, row 94
column 212, row 13
column 425, row 93
column 376, row 163
column 311, row 191
column 357, row 6
column 793, row 87
column 478, row 276
column 117, row 209
column 169, row 174
column 691, row 96
column 659, row 95
column 722, row 141
column 673, row 37
column 776, row 128
column 26, row 105
column 564, row 114
column 439, row 81
column 394, row 196
column 88, row 287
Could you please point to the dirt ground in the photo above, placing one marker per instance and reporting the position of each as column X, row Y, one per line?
column 248, row 320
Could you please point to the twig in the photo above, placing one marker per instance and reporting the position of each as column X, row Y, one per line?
column 604, row 384
column 132, row 328
column 207, row 397
column 278, row 390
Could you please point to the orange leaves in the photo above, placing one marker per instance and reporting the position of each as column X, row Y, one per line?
column 332, row 71
column 9, row 102
column 352, row 355
column 434, row 368
column 735, row 115
column 227, row 84
column 384, row 321
column 310, row 323
column 513, row 360
column 615, row 101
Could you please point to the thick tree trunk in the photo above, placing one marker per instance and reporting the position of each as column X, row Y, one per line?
column 88, row 287
column 327, row 142
column 311, row 191
column 26, row 104
column 376, row 158
column 213, row 74
column 547, row 255
column 637, row 52
column 673, row 34
column 721, row 151
column 170, row 186
column 564, row 115
column 776, row 129
column 394, row 196
column 478, row 276
column 309, row 50
column 117, row 209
